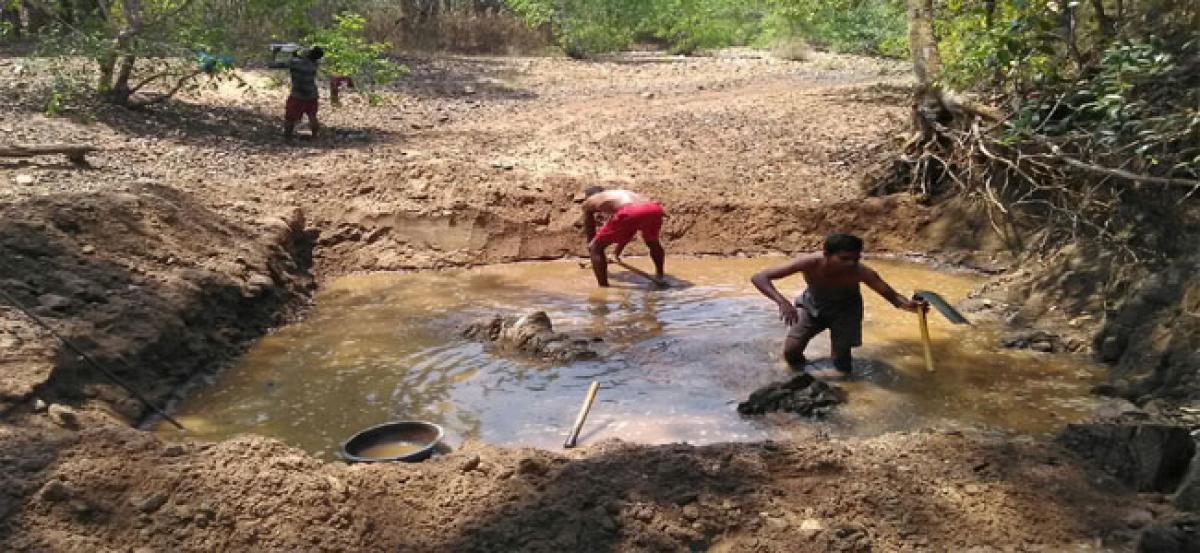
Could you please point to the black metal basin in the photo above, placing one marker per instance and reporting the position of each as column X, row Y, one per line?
column 407, row 441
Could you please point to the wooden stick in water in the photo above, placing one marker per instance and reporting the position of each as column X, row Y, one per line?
column 642, row 273
column 924, row 319
column 583, row 413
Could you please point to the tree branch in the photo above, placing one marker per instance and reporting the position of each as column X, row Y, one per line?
column 132, row 9
column 148, row 80
column 167, row 95
column 73, row 152
column 166, row 16
column 1118, row 173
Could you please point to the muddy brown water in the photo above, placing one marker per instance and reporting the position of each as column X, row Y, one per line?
column 674, row 362
column 390, row 449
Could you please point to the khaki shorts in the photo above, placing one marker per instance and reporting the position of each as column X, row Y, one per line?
column 845, row 327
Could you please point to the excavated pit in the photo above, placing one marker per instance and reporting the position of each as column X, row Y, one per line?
column 195, row 234
column 672, row 364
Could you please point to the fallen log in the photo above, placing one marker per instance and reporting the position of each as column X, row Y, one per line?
column 75, row 153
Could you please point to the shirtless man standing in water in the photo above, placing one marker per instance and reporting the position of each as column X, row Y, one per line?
column 628, row 213
column 832, row 301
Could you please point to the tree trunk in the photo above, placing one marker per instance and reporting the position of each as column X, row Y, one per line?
column 35, row 17
column 11, row 15
column 108, row 63
column 120, row 90
column 1066, row 26
column 117, row 89
column 66, row 12
column 1108, row 28
column 927, row 60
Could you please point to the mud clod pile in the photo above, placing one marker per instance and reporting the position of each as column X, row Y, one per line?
column 803, row 395
column 532, row 334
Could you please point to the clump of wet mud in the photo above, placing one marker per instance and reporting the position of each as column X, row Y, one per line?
column 532, row 334
column 1036, row 340
column 803, row 395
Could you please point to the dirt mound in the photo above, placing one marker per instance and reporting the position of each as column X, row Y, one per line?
column 151, row 282
column 112, row 487
column 1144, row 320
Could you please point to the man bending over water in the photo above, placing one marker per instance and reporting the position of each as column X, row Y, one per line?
column 831, row 301
column 628, row 213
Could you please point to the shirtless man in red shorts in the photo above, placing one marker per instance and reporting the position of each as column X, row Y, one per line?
column 628, row 213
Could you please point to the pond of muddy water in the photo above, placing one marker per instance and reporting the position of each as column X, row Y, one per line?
column 674, row 363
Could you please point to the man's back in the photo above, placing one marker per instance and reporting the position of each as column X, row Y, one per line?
column 609, row 201
column 304, row 78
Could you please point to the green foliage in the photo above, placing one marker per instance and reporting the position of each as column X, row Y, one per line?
column 347, row 53
column 536, row 12
column 585, row 27
column 689, row 25
column 7, row 28
column 1124, row 95
column 794, row 48
column 54, row 104
column 683, row 26
column 1019, row 48
column 1139, row 106
column 62, row 59
column 854, row 26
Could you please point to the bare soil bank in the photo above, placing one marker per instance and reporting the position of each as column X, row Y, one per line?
column 198, row 229
column 109, row 487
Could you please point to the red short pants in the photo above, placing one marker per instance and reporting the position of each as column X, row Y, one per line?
column 628, row 220
column 297, row 108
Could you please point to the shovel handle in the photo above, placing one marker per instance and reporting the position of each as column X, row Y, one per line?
column 923, row 318
column 641, row 273
column 583, row 413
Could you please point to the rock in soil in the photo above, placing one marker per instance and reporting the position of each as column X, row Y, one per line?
column 1178, row 535
column 1036, row 340
column 1147, row 457
column 63, row 416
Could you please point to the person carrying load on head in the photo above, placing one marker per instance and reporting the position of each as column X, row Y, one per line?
column 831, row 301
column 304, row 97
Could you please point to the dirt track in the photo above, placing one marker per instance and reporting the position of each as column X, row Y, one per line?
column 199, row 228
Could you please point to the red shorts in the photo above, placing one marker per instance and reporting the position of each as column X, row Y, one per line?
column 296, row 108
column 628, row 220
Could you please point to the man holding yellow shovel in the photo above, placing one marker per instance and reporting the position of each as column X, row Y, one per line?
column 832, row 301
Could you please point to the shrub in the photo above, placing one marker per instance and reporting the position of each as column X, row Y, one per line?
column 792, row 48
column 347, row 53
column 853, row 26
